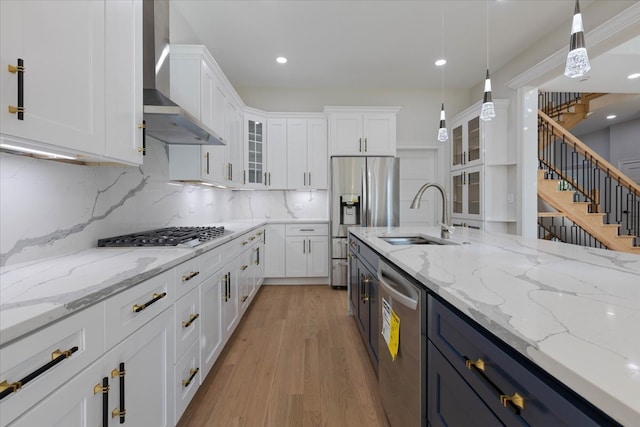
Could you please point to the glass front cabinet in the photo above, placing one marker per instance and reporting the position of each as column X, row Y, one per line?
column 255, row 159
column 465, row 143
column 466, row 193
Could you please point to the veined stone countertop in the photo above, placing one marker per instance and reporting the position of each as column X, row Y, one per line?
column 573, row 311
column 34, row 294
column 298, row 221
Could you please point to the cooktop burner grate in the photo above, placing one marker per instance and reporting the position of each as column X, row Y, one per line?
column 170, row 236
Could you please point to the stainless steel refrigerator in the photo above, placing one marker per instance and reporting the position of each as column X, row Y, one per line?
column 365, row 191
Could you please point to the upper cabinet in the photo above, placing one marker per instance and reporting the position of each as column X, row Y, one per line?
column 255, row 159
column 483, row 171
column 63, row 87
column 199, row 86
column 275, row 173
column 307, row 155
column 362, row 131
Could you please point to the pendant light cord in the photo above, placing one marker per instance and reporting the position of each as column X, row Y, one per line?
column 442, row 56
column 487, row 33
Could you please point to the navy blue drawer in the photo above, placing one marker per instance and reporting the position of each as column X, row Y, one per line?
column 452, row 402
column 504, row 372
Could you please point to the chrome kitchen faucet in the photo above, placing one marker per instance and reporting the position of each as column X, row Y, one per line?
column 445, row 226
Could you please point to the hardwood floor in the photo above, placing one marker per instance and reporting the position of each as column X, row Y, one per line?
column 296, row 359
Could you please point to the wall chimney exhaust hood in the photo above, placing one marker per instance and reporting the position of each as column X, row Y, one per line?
column 165, row 120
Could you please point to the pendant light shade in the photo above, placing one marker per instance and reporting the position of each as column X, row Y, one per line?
column 442, row 132
column 488, row 111
column 577, row 59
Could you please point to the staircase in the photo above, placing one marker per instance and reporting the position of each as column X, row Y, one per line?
column 592, row 202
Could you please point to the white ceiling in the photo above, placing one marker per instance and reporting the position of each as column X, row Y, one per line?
column 385, row 44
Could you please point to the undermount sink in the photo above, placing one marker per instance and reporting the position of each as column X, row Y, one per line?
column 415, row 240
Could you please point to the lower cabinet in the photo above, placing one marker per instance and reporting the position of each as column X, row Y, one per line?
column 363, row 294
column 307, row 250
column 275, row 244
column 140, row 375
column 139, row 357
column 497, row 385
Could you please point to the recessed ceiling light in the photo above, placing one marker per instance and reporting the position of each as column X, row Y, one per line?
column 441, row 62
column 633, row 76
column 281, row 60
column 611, row 116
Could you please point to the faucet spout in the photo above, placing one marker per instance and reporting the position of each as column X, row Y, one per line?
column 445, row 225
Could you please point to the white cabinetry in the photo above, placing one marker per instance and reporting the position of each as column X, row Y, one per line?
column 255, row 155
column 307, row 156
column 150, row 347
column 362, row 131
column 81, row 334
column 274, row 244
column 307, row 250
column 276, row 152
column 199, row 86
column 78, row 98
column 483, row 170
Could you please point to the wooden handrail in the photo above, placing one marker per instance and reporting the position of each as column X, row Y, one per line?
column 585, row 151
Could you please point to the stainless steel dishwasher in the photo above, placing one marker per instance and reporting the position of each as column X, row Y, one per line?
column 402, row 381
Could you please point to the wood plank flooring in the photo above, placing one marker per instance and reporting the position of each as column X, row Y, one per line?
column 296, row 359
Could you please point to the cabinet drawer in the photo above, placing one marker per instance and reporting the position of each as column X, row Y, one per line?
column 187, row 379
column 187, row 322
column 212, row 261
column 250, row 239
column 307, row 230
column 188, row 276
column 81, row 333
column 451, row 401
column 129, row 310
column 505, row 373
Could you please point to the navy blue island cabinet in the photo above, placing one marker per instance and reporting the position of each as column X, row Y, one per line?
column 474, row 379
column 363, row 294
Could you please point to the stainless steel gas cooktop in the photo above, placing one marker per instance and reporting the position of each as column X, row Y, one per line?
column 170, row 236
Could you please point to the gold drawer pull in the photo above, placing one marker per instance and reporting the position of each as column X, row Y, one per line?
column 478, row 364
column 516, row 399
column 118, row 413
column 190, row 321
column 190, row 276
column 192, row 373
column 244, row 267
column 154, row 298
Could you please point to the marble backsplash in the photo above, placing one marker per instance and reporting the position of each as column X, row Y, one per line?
column 52, row 208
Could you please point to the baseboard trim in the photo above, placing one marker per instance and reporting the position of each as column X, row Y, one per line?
column 296, row 281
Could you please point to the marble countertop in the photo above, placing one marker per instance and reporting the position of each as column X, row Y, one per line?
column 34, row 294
column 573, row 311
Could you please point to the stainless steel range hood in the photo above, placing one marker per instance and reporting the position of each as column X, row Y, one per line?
column 165, row 120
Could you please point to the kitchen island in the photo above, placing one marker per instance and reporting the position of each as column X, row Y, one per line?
column 572, row 311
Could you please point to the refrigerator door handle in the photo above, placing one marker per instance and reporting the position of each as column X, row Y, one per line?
column 364, row 211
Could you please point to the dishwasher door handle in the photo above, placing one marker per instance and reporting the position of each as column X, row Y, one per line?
column 397, row 287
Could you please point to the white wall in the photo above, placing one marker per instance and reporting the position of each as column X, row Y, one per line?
column 418, row 120
column 624, row 142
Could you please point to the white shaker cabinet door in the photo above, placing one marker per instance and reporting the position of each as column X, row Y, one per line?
column 297, row 154
column 124, row 105
column 318, row 157
column 62, row 45
column 146, row 359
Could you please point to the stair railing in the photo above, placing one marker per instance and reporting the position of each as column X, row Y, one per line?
column 564, row 157
column 553, row 104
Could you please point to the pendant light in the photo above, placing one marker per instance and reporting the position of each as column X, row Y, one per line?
column 443, row 136
column 577, row 59
column 488, row 110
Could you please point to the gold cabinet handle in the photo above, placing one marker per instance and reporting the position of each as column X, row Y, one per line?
column 190, row 321
column 244, row 267
column 118, row 413
column 252, row 238
column 515, row 399
column 478, row 364
column 244, row 243
column 19, row 69
column 190, row 276
column 244, row 298
column 192, row 374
